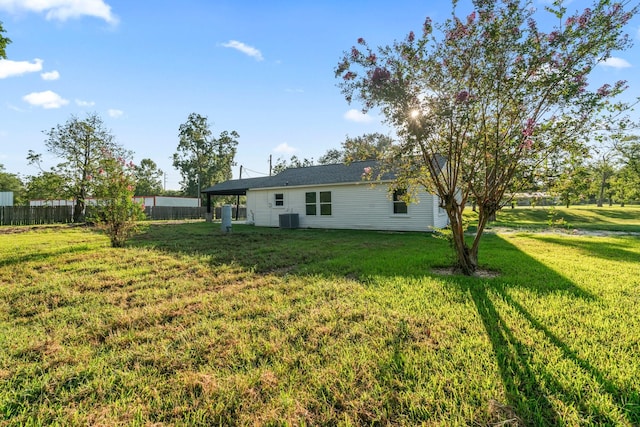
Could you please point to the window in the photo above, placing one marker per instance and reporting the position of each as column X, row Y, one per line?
column 310, row 201
column 279, row 198
column 399, row 205
column 325, row 203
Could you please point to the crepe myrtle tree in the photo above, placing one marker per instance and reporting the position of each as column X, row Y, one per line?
column 494, row 93
column 115, row 211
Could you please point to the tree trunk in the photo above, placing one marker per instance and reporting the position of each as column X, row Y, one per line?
column 466, row 262
column 603, row 183
column 78, row 210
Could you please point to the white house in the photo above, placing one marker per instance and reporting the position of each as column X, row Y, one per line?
column 331, row 196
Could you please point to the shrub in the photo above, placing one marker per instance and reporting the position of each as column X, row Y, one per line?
column 116, row 212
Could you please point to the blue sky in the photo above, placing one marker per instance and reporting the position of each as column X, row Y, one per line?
column 263, row 69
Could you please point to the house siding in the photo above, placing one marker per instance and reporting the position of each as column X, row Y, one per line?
column 353, row 206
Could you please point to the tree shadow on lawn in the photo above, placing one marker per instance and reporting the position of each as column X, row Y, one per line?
column 520, row 373
column 43, row 256
column 598, row 247
column 529, row 384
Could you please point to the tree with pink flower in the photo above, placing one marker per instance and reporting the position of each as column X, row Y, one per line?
column 494, row 92
column 116, row 212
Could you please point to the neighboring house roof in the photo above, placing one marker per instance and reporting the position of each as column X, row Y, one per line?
column 309, row 175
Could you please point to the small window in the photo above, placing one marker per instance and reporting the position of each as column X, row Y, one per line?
column 310, row 202
column 325, row 203
column 279, row 197
column 399, row 205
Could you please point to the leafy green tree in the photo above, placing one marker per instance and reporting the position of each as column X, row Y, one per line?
column 491, row 93
column 628, row 148
column 294, row 162
column 80, row 144
column 115, row 212
column 202, row 159
column 12, row 182
column 4, row 41
column 148, row 178
column 47, row 185
column 369, row 146
column 625, row 185
column 602, row 169
column 572, row 185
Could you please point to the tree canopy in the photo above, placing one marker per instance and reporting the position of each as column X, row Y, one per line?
column 4, row 41
column 495, row 92
column 148, row 178
column 47, row 185
column 80, row 144
column 12, row 182
column 369, row 146
column 202, row 159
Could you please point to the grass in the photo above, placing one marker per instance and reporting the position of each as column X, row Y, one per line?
column 583, row 217
column 187, row 326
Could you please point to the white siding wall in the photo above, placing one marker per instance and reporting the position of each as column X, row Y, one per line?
column 353, row 206
column 439, row 214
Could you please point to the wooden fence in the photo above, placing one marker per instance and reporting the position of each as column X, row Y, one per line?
column 35, row 215
column 174, row 212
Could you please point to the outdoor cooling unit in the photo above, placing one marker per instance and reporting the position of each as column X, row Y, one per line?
column 289, row 220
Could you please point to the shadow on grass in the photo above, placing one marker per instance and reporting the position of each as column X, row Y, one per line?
column 598, row 247
column 359, row 255
column 616, row 219
column 515, row 359
column 43, row 256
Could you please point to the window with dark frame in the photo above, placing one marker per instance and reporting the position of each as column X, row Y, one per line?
column 310, row 202
column 279, row 198
column 399, row 205
column 325, row 203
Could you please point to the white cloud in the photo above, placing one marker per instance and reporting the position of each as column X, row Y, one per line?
column 81, row 103
column 113, row 113
column 9, row 68
column 62, row 9
column 50, row 75
column 46, row 99
column 354, row 115
column 615, row 62
column 246, row 49
column 285, row 149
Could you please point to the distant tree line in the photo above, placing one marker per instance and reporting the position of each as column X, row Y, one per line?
column 82, row 144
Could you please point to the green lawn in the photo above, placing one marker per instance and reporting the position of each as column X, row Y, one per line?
column 587, row 217
column 263, row 326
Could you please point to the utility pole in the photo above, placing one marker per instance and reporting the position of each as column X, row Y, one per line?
column 270, row 166
column 238, row 198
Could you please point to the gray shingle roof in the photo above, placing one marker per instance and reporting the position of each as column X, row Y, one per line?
column 310, row 175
